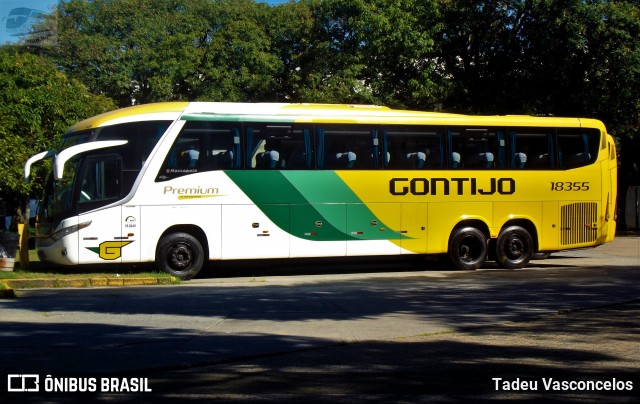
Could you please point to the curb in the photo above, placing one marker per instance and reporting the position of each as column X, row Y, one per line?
column 7, row 286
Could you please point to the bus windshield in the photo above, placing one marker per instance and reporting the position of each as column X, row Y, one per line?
column 57, row 201
column 92, row 180
column 75, row 138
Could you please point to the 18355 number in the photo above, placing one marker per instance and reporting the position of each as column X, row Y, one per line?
column 569, row 186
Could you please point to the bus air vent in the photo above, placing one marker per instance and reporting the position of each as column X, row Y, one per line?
column 579, row 223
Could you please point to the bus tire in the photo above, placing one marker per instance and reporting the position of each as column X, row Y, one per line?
column 180, row 254
column 514, row 247
column 468, row 248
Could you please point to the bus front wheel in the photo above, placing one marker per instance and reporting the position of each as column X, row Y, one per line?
column 468, row 248
column 514, row 247
column 180, row 254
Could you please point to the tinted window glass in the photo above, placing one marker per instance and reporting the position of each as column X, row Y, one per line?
column 577, row 148
column 100, row 183
column 203, row 146
column 532, row 149
column 73, row 139
column 408, row 147
column 477, row 148
column 141, row 136
column 278, row 146
column 342, row 147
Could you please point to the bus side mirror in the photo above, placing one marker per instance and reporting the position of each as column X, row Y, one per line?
column 33, row 159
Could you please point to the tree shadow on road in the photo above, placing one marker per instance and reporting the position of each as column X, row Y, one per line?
column 479, row 364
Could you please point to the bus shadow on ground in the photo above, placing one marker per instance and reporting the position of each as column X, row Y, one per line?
column 287, row 267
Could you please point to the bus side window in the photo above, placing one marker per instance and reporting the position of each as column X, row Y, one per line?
column 577, row 148
column 412, row 147
column 477, row 148
column 345, row 147
column 202, row 146
column 100, row 181
column 278, row 146
column 531, row 149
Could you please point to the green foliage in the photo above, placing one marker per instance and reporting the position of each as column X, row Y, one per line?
column 37, row 105
column 567, row 57
column 570, row 58
column 140, row 51
column 369, row 52
column 614, row 86
column 237, row 60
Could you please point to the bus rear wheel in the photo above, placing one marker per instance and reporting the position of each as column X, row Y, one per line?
column 468, row 248
column 180, row 254
column 514, row 247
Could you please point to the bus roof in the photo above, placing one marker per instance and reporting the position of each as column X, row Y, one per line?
column 161, row 110
column 343, row 113
column 309, row 113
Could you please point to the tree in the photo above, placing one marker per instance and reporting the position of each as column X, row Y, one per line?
column 134, row 51
column 545, row 57
column 237, row 60
column 371, row 52
column 398, row 40
column 567, row 57
column 140, row 51
column 291, row 29
column 37, row 104
column 480, row 49
column 614, row 82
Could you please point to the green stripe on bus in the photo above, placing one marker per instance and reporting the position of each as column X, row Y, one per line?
column 318, row 203
column 337, row 202
column 269, row 190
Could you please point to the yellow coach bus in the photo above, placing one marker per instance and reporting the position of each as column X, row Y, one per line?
column 183, row 183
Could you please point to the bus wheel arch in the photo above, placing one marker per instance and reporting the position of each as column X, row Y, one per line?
column 516, row 244
column 468, row 245
column 181, row 251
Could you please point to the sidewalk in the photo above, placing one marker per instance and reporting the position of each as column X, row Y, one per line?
column 624, row 245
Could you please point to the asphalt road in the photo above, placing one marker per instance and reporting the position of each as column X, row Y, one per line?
column 368, row 331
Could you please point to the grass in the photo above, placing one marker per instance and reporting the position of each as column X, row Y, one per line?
column 20, row 274
column 42, row 270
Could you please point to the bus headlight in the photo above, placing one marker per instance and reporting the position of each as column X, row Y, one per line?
column 69, row 230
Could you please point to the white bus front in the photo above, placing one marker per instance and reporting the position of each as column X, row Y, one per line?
column 81, row 198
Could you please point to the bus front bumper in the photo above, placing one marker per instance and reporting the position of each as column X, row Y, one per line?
column 55, row 252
